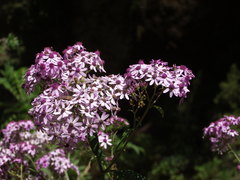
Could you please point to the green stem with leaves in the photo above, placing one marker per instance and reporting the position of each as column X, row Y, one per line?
column 97, row 155
column 31, row 160
column 151, row 102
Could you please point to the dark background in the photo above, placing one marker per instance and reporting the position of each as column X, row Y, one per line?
column 201, row 34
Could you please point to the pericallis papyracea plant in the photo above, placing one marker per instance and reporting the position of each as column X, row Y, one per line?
column 79, row 103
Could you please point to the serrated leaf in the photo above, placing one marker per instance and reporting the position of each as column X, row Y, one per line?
column 129, row 175
column 159, row 109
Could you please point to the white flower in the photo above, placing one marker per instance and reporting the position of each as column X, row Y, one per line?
column 104, row 140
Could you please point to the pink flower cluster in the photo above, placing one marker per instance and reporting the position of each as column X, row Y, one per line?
column 17, row 143
column 56, row 160
column 221, row 133
column 74, row 103
column 174, row 80
column 21, row 141
column 50, row 67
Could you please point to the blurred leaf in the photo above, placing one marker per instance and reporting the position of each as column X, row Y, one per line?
column 48, row 173
column 129, row 175
column 13, row 41
column 17, row 106
column 160, row 110
column 229, row 98
column 215, row 169
column 169, row 168
column 11, row 49
column 137, row 149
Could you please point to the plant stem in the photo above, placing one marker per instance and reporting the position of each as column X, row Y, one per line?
column 85, row 171
column 97, row 157
column 158, row 96
column 29, row 157
column 99, row 164
column 14, row 174
column 149, row 106
column 66, row 175
column 234, row 153
column 150, row 103
column 21, row 171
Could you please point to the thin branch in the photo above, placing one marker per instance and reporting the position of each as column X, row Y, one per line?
column 234, row 153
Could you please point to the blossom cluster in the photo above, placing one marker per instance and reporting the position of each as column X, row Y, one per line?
column 17, row 143
column 56, row 160
column 52, row 69
column 221, row 133
column 75, row 103
column 174, row 80
column 21, row 142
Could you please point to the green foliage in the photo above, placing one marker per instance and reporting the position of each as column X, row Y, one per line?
column 14, row 102
column 128, row 174
column 216, row 169
column 229, row 98
column 15, row 106
column 171, row 168
column 94, row 144
column 82, row 159
column 136, row 148
column 160, row 110
column 10, row 49
column 12, row 81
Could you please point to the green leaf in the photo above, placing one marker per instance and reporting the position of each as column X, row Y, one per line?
column 160, row 110
column 118, row 142
column 19, row 103
column 137, row 149
column 48, row 173
column 129, row 175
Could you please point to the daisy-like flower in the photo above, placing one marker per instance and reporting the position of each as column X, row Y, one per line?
column 104, row 140
column 64, row 110
column 73, row 123
column 102, row 120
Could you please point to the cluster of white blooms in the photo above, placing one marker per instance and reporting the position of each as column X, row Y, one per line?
column 174, row 80
column 74, row 103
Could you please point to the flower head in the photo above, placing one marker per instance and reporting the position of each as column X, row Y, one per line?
column 221, row 133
